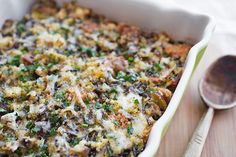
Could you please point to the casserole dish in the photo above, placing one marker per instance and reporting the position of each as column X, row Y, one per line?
column 135, row 12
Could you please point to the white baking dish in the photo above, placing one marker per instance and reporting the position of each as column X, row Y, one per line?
column 151, row 15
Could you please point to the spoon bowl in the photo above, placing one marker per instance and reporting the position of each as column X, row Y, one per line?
column 218, row 87
column 218, row 90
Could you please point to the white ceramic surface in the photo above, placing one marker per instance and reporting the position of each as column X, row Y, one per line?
column 151, row 15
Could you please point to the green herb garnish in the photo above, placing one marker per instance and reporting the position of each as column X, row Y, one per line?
column 30, row 125
column 43, row 150
column 113, row 90
column 15, row 60
column 59, row 95
column 109, row 152
column 116, row 122
column 53, row 117
column 130, row 78
column 9, row 101
column 101, row 54
column 120, row 75
column 75, row 141
column 32, row 67
column 157, row 67
column 24, row 51
column 10, row 137
column 107, row 107
column 20, row 28
column 90, row 52
column 18, row 151
column 131, row 59
column 126, row 77
column 52, row 132
column 77, row 78
column 98, row 105
column 35, row 130
column 87, row 101
column 84, row 125
column 76, row 67
column 130, row 129
column 76, row 108
column 44, row 154
column 66, row 103
column 50, row 65
column 136, row 102
column 36, row 51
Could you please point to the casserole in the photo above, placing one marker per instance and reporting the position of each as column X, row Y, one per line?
column 129, row 15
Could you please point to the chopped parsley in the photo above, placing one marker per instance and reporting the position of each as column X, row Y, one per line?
column 157, row 67
column 116, row 122
column 25, row 78
column 130, row 78
column 109, row 151
column 18, row 151
column 75, row 141
column 15, row 60
column 20, row 28
column 32, row 67
column 53, row 117
column 98, row 105
column 59, row 95
column 35, row 130
column 30, row 125
column 120, row 75
column 24, row 51
column 44, row 154
column 87, row 101
column 130, row 129
column 113, row 90
column 84, row 125
column 77, row 78
column 76, row 108
column 52, row 132
column 10, row 137
column 101, row 54
column 77, row 67
column 36, row 51
column 90, row 52
column 27, row 73
column 136, row 102
column 131, row 59
column 50, row 65
column 107, row 107
column 68, row 52
column 126, row 77
column 66, row 103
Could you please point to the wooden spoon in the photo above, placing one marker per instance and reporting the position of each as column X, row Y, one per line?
column 218, row 90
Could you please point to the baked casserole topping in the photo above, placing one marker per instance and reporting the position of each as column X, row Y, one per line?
column 73, row 83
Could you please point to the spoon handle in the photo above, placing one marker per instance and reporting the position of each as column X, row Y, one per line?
column 199, row 136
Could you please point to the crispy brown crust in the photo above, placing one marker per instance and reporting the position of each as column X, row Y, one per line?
column 122, row 120
column 177, row 50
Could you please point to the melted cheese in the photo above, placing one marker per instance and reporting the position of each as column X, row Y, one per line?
column 10, row 120
column 127, row 101
column 120, row 141
column 139, row 124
